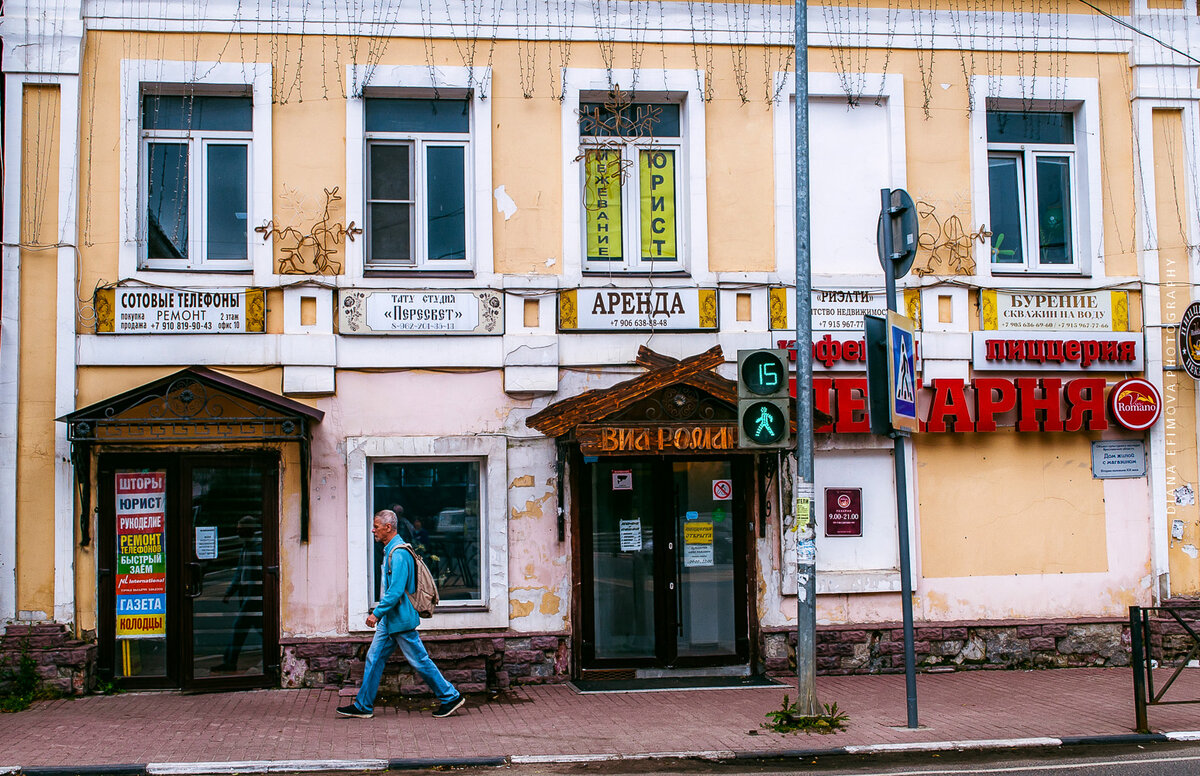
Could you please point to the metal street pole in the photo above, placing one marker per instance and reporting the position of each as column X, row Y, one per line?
column 910, row 663
column 806, row 550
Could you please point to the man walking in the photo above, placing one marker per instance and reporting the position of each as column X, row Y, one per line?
column 395, row 622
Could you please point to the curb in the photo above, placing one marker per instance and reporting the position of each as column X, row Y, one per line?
column 227, row 768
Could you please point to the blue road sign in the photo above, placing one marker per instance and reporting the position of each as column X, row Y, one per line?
column 902, row 372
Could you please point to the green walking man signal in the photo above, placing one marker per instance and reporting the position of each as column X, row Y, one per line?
column 764, row 403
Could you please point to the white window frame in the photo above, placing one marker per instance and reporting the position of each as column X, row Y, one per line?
column 631, row 194
column 209, row 78
column 1028, row 155
column 691, row 200
column 491, row 611
column 783, row 115
column 419, row 233
column 420, row 81
column 197, row 142
column 1078, row 96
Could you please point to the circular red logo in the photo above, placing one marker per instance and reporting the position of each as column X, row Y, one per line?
column 1135, row 403
column 843, row 500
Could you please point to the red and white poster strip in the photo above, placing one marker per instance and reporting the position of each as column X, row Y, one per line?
column 141, row 557
column 1058, row 351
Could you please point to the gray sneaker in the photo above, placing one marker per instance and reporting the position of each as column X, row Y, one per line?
column 450, row 706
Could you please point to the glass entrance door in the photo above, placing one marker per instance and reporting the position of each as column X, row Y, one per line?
column 704, row 569
column 663, row 563
column 227, row 577
column 188, row 570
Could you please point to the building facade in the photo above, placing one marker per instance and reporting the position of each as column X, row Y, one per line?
column 268, row 271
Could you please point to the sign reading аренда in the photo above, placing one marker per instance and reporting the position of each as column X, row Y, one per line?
column 611, row 310
column 143, row 310
column 420, row 312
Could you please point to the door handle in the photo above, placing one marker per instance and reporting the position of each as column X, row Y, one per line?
column 195, row 581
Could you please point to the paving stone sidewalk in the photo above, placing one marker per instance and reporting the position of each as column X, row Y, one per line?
column 556, row 721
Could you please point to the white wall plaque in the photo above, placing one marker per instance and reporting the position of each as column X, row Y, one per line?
column 146, row 310
column 1117, row 458
column 431, row 311
column 611, row 310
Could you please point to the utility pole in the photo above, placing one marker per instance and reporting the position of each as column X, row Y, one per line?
column 806, row 548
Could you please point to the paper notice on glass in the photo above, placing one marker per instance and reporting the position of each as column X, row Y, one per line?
column 206, row 542
column 631, row 535
column 698, row 544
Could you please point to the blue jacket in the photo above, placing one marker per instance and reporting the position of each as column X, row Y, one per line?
column 395, row 611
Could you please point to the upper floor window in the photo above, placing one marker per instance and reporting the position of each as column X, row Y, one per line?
column 632, row 160
column 417, row 183
column 196, row 161
column 1032, row 182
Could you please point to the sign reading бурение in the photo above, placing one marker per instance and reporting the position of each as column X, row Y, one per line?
column 1054, row 311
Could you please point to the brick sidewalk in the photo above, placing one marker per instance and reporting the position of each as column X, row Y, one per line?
column 554, row 720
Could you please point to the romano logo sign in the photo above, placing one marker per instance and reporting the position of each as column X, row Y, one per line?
column 1135, row 403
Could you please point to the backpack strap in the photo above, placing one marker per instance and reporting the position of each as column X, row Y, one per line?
column 388, row 561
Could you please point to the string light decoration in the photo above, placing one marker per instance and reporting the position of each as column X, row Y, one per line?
column 311, row 252
column 617, row 122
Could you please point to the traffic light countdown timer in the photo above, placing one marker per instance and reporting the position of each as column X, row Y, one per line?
column 763, row 399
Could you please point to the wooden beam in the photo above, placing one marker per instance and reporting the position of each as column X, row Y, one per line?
column 562, row 416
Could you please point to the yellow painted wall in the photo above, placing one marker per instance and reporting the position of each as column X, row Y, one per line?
column 1179, row 390
column 35, row 424
column 1007, row 503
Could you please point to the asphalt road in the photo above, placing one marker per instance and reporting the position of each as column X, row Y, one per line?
column 1150, row 760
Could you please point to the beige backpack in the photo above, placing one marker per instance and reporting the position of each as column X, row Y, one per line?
column 426, row 596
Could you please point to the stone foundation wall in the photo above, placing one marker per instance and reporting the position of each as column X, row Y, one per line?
column 64, row 663
column 472, row 662
column 955, row 646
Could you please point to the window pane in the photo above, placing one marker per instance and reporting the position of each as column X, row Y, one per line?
column 391, row 167
column 412, row 115
column 1030, row 127
column 167, row 197
column 165, row 111
column 602, row 204
column 389, row 227
column 228, row 199
column 1004, row 173
column 438, row 505
column 447, row 202
column 630, row 121
column 658, row 205
column 1054, row 209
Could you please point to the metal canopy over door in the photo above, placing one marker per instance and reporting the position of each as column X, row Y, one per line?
column 188, row 570
column 663, row 562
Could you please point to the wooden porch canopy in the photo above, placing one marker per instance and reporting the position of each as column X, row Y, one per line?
column 192, row 406
column 563, row 416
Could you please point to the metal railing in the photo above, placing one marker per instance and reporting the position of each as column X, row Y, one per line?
column 1142, row 631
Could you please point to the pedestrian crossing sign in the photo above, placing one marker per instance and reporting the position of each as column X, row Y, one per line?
column 902, row 373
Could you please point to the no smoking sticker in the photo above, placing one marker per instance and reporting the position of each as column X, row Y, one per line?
column 722, row 490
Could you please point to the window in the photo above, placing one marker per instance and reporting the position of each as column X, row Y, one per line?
column 1031, row 180
column 438, row 506
column 631, row 159
column 417, row 183
column 196, row 162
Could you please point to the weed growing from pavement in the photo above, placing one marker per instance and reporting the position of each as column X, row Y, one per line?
column 788, row 719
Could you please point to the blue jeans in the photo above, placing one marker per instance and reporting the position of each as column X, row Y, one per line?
column 414, row 652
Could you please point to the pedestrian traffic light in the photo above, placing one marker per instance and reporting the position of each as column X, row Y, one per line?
column 764, row 403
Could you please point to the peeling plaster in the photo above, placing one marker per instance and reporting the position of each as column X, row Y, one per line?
column 518, row 609
column 1190, row 551
column 504, row 203
column 551, row 604
column 532, row 508
column 523, row 482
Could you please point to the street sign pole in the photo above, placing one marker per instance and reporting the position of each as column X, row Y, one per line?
column 910, row 663
column 806, row 549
